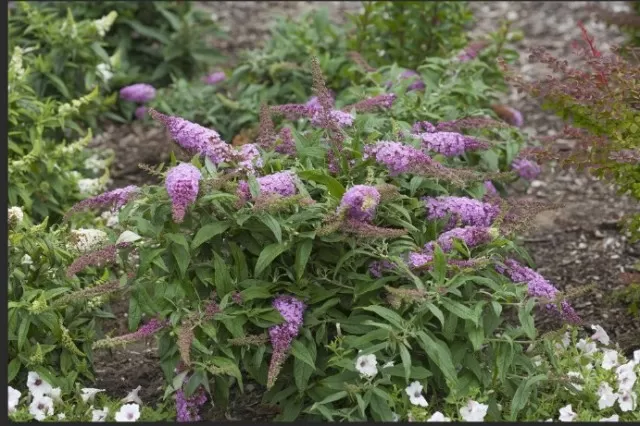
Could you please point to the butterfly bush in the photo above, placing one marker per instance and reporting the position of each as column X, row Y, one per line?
column 292, row 311
column 361, row 202
column 182, row 183
column 282, row 184
column 398, row 157
column 463, row 210
column 140, row 93
column 526, row 169
column 450, row 144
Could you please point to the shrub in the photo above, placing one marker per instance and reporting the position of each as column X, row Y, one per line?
column 407, row 32
column 47, row 174
column 153, row 40
column 67, row 58
column 321, row 250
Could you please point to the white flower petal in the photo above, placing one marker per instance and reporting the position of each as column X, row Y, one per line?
column 128, row 413
column 614, row 418
column 89, row 394
column 438, row 417
column 567, row 414
column 627, row 400
column 14, row 399
column 474, row 411
column 600, row 335
column 367, row 365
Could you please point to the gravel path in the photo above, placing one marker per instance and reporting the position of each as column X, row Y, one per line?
column 575, row 246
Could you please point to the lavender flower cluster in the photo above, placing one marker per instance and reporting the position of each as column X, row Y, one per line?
column 467, row 211
column 450, row 144
column 282, row 335
column 115, row 199
column 214, row 78
column 188, row 409
column 526, row 169
column 398, row 157
column 472, row 236
column 140, row 93
column 361, row 202
column 281, row 183
column 417, row 83
column 182, row 185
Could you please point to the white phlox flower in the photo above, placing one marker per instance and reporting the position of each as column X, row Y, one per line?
column 99, row 415
column 614, row 418
column 88, row 239
column 367, row 365
column 37, row 386
column 627, row 400
column 414, row 390
column 41, row 407
column 600, row 335
column 626, row 376
column 473, row 411
column 438, row 417
column 26, row 260
column 133, row 397
column 128, row 413
column 567, row 414
column 587, row 348
column 14, row 399
column 607, row 397
column 609, row 359
column 89, row 187
column 89, row 394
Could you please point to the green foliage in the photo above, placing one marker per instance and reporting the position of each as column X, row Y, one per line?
column 45, row 170
column 408, row 32
column 153, row 40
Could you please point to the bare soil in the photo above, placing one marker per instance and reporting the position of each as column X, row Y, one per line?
column 575, row 246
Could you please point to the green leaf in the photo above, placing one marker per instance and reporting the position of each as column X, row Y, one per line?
column 23, row 332
column 387, row 314
column 14, row 369
column 526, row 319
column 268, row 255
column 332, row 398
column 334, row 187
column 406, row 361
column 223, row 281
column 521, row 396
column 147, row 31
column 299, row 351
column 303, row 250
column 440, row 354
column 273, row 225
column 135, row 313
column 459, row 310
column 380, row 407
column 207, row 232
column 229, row 366
column 436, row 312
column 182, row 257
column 439, row 265
column 256, row 292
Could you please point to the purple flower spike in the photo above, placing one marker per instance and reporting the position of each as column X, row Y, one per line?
column 182, row 184
column 468, row 211
column 287, row 145
column 526, row 169
column 423, row 127
column 140, row 113
column 472, row 236
column 282, row 335
column 398, row 157
column 214, row 78
column 140, row 93
column 361, row 202
column 539, row 287
column 114, row 199
column 281, row 183
column 450, row 144
column 341, row 118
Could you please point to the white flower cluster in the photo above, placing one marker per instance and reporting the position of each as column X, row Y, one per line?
column 104, row 72
column 111, row 218
column 15, row 215
column 473, row 411
column 103, row 25
column 89, row 187
column 95, row 164
column 44, row 397
column 614, row 375
column 87, row 239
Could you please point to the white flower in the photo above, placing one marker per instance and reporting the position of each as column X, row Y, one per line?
column 111, row 218
column 600, row 335
column 89, row 394
column 577, row 375
column 104, row 72
column 548, row 420
column 609, row 359
column 588, row 367
column 388, row 365
column 14, row 398
column 128, row 237
column 636, row 357
column 62, row 416
column 128, row 413
column 37, row 386
column 367, row 365
column 88, row 239
column 607, row 397
column 614, row 418
column 438, row 417
column 99, row 415
column 627, row 400
column 567, row 414
column 41, row 407
column 537, row 360
column 395, row 417
column 16, row 214
column 626, row 376
column 587, row 348
column 104, row 24
column 55, row 394
column 474, row 411
column 26, row 260
column 566, row 340
column 133, row 397
column 414, row 390
column 89, row 187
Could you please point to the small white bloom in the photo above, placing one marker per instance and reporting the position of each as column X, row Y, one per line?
column 577, row 375
column 104, row 24
column 27, row 260
column 474, row 411
column 133, row 397
column 41, row 407
column 89, row 394
column 388, row 365
column 16, row 214
column 62, row 416
column 566, row 339
column 89, row 187
column 395, row 417
column 626, row 376
column 88, row 239
column 367, row 365
column 537, row 360
column 104, row 72
column 609, row 359
column 588, row 367
column 111, row 218
column 128, row 237
column 14, row 398
column 55, row 394
column 614, row 418
column 600, row 335
column 548, row 420
column 636, row 357
column 438, row 417
column 128, row 413
column 607, row 397
column 567, row 414
column 587, row 348
column 414, row 390
column 99, row 415
column 37, row 386
column 627, row 400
